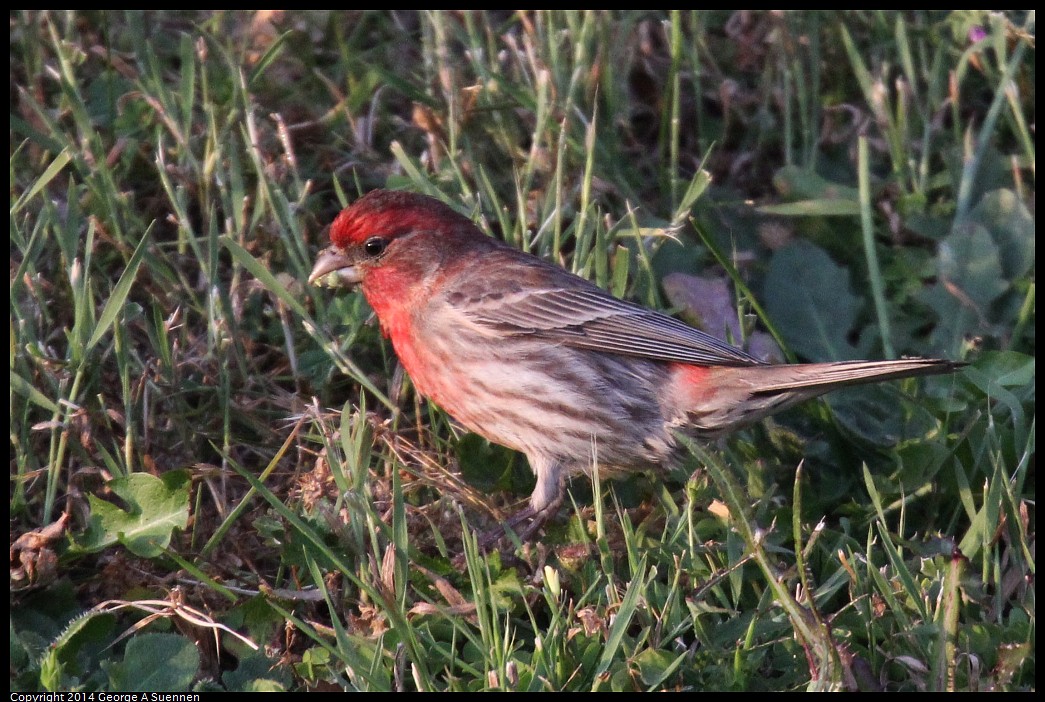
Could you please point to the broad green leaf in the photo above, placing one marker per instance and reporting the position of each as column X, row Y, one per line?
column 655, row 666
column 871, row 412
column 970, row 280
column 1011, row 226
column 155, row 663
column 155, row 508
column 257, row 673
column 970, row 259
column 808, row 299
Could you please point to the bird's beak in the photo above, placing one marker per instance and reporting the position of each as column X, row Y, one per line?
column 334, row 269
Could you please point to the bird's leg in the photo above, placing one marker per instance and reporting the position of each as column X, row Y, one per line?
column 523, row 523
column 500, row 531
column 544, row 502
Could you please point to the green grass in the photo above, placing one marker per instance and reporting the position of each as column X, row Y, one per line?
column 193, row 423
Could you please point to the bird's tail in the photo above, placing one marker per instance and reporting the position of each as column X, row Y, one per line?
column 721, row 399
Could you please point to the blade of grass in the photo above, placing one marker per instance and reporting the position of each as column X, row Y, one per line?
column 874, row 272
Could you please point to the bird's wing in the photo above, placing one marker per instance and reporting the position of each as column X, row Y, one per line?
column 589, row 318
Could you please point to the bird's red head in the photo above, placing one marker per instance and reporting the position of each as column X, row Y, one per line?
column 391, row 235
column 391, row 214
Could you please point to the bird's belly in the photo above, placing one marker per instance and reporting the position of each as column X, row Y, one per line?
column 571, row 407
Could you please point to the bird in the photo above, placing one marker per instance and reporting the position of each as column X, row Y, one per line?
column 538, row 359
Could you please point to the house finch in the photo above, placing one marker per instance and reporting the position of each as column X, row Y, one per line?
column 540, row 360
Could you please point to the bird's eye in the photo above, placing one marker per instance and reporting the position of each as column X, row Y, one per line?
column 375, row 246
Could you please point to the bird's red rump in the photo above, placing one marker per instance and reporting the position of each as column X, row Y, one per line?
column 691, row 383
